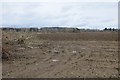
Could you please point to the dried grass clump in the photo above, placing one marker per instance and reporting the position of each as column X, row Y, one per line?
column 11, row 44
column 21, row 41
column 6, row 47
column 5, row 53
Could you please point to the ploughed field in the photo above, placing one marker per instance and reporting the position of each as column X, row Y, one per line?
column 61, row 55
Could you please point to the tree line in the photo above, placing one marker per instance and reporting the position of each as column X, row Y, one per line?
column 57, row 29
column 110, row 29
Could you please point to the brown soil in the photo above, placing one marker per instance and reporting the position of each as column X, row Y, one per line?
column 62, row 55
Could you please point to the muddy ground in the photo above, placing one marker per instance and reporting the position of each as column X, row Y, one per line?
column 67, row 57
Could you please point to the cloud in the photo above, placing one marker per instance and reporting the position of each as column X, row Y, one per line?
column 83, row 14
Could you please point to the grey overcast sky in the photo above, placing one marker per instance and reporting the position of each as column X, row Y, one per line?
column 94, row 15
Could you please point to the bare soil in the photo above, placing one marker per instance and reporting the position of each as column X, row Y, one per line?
column 62, row 55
